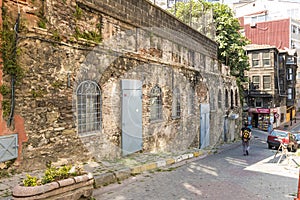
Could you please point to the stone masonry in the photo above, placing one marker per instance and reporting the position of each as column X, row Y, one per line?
column 105, row 42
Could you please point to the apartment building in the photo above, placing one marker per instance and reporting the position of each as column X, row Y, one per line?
column 270, row 96
column 272, row 22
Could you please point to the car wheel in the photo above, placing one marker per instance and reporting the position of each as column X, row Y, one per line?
column 294, row 148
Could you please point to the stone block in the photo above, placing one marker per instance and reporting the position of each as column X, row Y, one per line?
column 123, row 174
column 105, row 179
column 170, row 161
column 161, row 163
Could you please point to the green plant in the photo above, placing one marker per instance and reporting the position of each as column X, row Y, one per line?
column 56, row 36
column 53, row 174
column 37, row 93
column 5, row 107
column 42, row 23
column 4, row 90
column 78, row 12
column 57, row 84
column 9, row 49
column 89, row 35
column 30, row 181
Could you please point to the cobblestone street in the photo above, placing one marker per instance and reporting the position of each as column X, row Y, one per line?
column 224, row 175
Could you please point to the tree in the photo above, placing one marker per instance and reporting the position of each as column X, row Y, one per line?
column 227, row 27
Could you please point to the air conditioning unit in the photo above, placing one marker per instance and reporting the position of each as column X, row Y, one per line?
column 252, row 24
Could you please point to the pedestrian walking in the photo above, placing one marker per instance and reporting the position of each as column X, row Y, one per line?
column 246, row 135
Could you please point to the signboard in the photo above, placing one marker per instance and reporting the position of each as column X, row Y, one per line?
column 260, row 110
column 263, row 110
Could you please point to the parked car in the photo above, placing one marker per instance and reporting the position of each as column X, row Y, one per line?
column 297, row 137
column 281, row 136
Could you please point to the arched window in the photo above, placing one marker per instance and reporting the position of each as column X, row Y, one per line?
column 220, row 99
column 88, row 107
column 191, row 102
column 236, row 98
column 156, row 103
column 212, row 100
column 226, row 99
column 176, row 103
column 231, row 99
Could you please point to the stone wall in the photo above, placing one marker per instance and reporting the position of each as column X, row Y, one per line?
column 138, row 41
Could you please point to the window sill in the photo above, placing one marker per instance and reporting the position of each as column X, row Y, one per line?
column 83, row 135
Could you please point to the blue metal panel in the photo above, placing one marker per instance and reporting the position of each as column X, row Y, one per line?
column 8, row 147
column 204, row 125
column 132, row 140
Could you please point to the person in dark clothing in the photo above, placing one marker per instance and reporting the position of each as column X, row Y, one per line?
column 245, row 135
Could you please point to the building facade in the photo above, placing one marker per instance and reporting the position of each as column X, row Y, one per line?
column 273, row 23
column 271, row 92
column 107, row 79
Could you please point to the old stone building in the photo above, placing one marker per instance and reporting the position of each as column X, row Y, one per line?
column 103, row 79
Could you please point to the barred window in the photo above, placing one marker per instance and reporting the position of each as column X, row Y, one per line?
column 226, row 99
column 212, row 100
column 236, row 98
column 88, row 107
column 220, row 99
column 176, row 103
column 231, row 99
column 191, row 102
column 156, row 103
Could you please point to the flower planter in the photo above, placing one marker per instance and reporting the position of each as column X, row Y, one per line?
column 71, row 188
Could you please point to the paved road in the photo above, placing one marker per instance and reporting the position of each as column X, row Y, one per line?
column 225, row 175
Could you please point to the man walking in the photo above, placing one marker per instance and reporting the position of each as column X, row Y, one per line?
column 246, row 135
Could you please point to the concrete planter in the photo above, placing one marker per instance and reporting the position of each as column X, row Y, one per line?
column 71, row 188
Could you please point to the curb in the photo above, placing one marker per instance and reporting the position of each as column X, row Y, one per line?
column 119, row 175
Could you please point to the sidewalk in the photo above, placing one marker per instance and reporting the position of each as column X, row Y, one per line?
column 289, row 125
column 108, row 172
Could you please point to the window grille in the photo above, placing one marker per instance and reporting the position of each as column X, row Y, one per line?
column 231, row 99
column 220, row 99
column 226, row 99
column 88, row 107
column 156, row 103
column 191, row 102
column 202, row 60
column 176, row 103
column 212, row 100
column 236, row 98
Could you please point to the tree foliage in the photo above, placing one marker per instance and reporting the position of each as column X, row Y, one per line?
column 227, row 27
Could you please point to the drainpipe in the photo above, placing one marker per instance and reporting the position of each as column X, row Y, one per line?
column 13, row 76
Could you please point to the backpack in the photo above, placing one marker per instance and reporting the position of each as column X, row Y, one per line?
column 246, row 135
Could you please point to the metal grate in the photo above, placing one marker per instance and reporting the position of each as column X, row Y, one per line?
column 88, row 107
column 176, row 103
column 156, row 103
column 191, row 102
